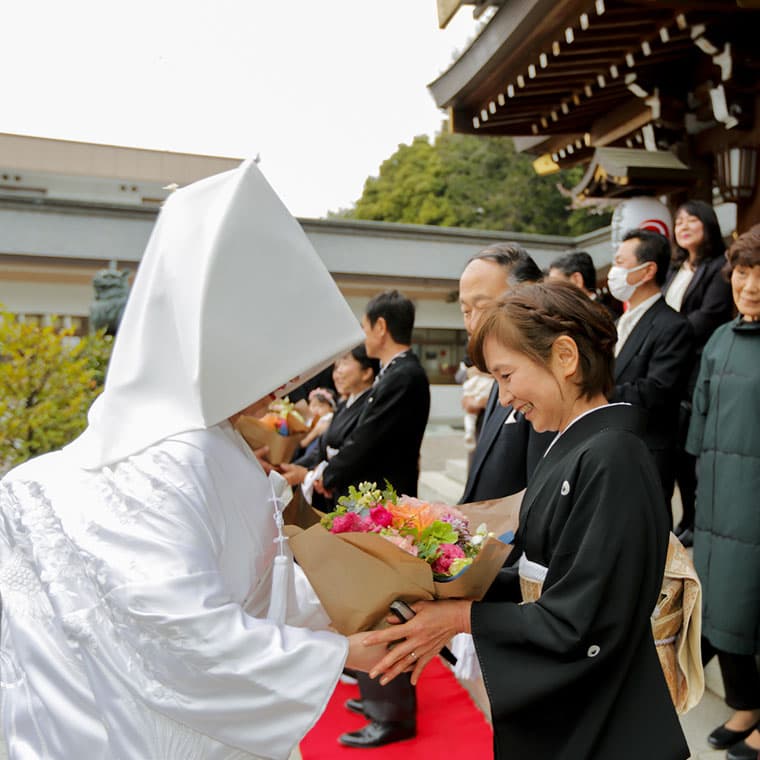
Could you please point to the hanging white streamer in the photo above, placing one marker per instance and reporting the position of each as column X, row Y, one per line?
column 282, row 571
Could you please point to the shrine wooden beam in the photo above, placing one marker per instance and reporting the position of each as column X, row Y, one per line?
column 620, row 123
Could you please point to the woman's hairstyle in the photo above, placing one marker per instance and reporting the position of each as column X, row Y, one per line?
column 745, row 250
column 712, row 244
column 530, row 318
column 360, row 354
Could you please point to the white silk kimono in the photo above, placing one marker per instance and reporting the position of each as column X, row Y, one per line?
column 134, row 610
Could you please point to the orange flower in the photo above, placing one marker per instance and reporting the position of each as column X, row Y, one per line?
column 411, row 514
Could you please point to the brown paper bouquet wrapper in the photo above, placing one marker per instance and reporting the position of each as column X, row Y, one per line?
column 281, row 447
column 357, row 575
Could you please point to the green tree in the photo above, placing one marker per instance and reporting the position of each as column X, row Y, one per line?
column 469, row 181
column 48, row 379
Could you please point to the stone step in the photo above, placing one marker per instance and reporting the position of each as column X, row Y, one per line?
column 456, row 469
column 437, row 486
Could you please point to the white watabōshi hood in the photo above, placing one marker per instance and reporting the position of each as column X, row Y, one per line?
column 231, row 302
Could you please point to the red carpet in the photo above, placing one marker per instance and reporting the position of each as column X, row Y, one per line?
column 448, row 724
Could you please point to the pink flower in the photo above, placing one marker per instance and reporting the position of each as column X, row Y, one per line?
column 448, row 553
column 381, row 516
column 411, row 501
column 349, row 523
column 403, row 542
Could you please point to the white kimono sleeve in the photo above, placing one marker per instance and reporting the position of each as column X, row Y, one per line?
column 147, row 566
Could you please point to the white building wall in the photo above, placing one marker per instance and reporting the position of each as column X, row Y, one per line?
column 45, row 298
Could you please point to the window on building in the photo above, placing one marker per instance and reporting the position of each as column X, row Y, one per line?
column 440, row 352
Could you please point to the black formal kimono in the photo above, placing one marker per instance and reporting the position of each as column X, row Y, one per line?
column 386, row 441
column 506, row 454
column 342, row 424
column 575, row 675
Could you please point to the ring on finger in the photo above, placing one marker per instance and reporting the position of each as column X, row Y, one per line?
column 413, row 655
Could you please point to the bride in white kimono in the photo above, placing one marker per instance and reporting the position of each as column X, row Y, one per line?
column 135, row 564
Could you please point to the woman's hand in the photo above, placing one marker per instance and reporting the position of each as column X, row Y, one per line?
column 362, row 656
column 293, row 473
column 423, row 638
column 319, row 487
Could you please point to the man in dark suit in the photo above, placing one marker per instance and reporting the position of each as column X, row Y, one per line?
column 508, row 449
column 385, row 445
column 655, row 348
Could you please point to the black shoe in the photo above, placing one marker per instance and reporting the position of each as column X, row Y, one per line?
column 355, row 705
column 741, row 751
column 687, row 537
column 376, row 734
column 723, row 738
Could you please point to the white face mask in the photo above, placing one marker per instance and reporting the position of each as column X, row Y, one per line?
column 617, row 282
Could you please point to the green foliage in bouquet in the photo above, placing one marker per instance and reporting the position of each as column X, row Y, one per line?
column 436, row 533
column 48, row 380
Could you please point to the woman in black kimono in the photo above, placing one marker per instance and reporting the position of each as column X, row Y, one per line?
column 353, row 376
column 573, row 675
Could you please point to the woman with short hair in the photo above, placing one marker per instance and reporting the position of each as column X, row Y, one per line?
column 573, row 674
column 354, row 374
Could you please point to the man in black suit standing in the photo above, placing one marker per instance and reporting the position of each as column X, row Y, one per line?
column 385, row 445
column 655, row 348
column 508, row 449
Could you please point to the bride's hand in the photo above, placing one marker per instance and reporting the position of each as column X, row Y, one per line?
column 293, row 473
column 362, row 656
column 434, row 625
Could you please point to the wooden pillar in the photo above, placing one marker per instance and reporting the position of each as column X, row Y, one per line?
column 748, row 209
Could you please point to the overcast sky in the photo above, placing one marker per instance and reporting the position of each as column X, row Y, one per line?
column 322, row 90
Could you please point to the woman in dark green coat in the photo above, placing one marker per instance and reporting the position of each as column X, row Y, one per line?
column 725, row 435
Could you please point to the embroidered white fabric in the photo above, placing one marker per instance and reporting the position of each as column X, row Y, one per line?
column 134, row 610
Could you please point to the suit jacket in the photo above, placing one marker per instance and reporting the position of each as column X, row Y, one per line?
column 385, row 444
column 576, row 676
column 506, row 454
column 707, row 303
column 651, row 369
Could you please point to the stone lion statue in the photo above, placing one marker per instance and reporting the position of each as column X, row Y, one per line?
column 111, row 292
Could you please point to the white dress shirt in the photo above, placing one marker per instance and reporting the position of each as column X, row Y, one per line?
column 678, row 286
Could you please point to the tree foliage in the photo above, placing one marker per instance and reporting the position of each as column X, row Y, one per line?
column 469, row 181
column 48, row 379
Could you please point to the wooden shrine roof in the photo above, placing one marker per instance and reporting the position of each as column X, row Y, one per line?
column 568, row 76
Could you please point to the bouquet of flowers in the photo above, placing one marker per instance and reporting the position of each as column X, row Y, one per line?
column 281, row 428
column 437, row 533
column 376, row 547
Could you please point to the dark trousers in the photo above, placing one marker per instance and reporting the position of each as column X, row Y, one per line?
column 686, row 469
column 388, row 704
column 741, row 679
column 686, row 477
column 664, row 461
